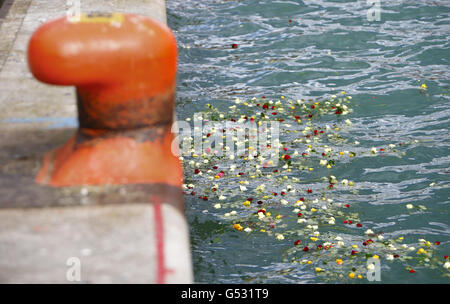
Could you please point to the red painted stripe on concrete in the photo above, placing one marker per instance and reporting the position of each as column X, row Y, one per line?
column 159, row 235
column 161, row 270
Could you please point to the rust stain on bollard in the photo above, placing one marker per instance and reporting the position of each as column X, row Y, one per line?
column 124, row 69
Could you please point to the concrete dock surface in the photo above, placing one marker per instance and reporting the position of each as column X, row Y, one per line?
column 109, row 234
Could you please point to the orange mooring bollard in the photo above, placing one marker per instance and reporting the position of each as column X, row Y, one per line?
column 124, row 70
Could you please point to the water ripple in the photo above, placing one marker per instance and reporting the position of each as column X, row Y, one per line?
column 312, row 48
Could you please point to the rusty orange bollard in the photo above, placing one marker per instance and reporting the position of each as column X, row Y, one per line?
column 124, row 70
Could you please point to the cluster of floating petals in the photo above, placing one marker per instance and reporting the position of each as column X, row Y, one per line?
column 294, row 198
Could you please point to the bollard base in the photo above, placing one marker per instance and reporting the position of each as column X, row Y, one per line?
column 114, row 161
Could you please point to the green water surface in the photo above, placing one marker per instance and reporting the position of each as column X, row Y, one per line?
column 311, row 49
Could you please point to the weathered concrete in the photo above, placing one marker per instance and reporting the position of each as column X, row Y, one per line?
column 114, row 244
column 101, row 237
column 112, row 230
